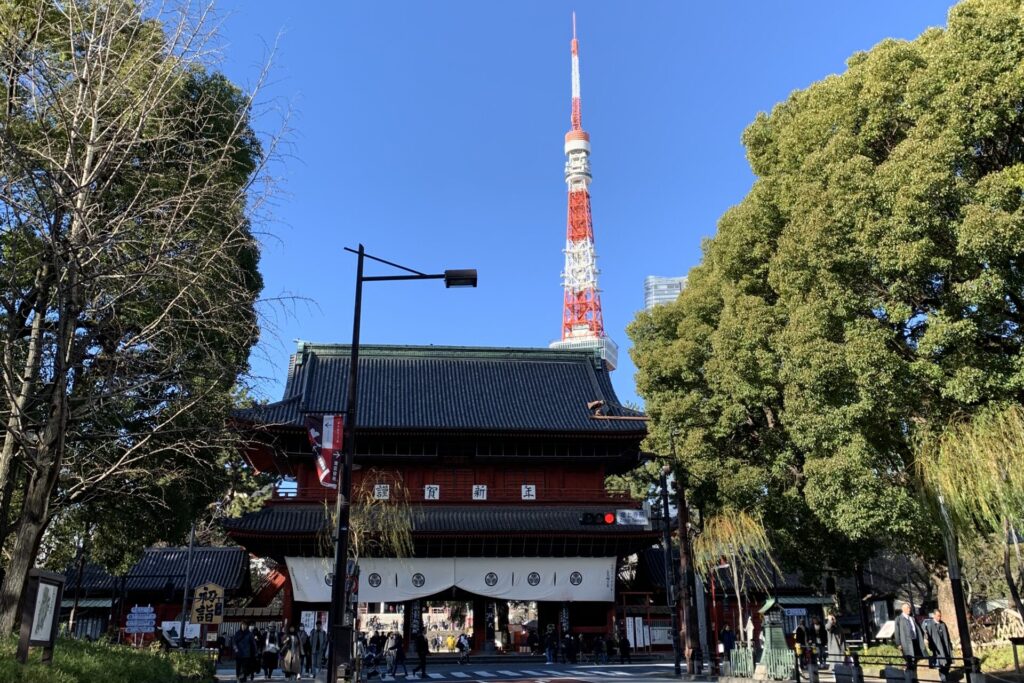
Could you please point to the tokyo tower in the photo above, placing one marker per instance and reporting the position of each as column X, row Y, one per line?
column 582, row 321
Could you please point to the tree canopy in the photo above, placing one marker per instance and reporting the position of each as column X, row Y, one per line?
column 869, row 286
column 128, row 272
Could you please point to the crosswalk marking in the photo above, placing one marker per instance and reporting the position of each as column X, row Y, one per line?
column 617, row 673
column 509, row 673
column 484, row 674
column 532, row 673
column 459, row 674
column 553, row 673
column 436, row 675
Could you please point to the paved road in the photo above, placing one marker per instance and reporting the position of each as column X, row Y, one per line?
column 496, row 673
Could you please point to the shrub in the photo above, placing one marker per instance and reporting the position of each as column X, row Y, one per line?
column 881, row 655
column 76, row 661
column 996, row 658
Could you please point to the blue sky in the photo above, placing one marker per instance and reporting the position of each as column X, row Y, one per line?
column 432, row 133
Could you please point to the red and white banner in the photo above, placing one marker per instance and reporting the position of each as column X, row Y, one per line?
column 325, row 433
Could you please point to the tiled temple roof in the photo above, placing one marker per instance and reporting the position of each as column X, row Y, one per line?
column 440, row 388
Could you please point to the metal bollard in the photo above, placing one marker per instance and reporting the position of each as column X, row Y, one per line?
column 858, row 673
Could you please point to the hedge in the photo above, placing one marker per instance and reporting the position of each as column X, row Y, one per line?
column 78, row 661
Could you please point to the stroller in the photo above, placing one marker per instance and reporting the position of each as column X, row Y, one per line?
column 374, row 665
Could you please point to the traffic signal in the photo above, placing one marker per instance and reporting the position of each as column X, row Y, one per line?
column 597, row 518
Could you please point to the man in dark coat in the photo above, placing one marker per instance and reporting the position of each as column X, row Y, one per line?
column 908, row 638
column 624, row 649
column 244, row 646
column 419, row 643
column 940, row 645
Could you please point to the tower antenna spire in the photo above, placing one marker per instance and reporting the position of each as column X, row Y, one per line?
column 582, row 320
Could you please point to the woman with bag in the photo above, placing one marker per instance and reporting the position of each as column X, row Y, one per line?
column 291, row 653
column 270, row 655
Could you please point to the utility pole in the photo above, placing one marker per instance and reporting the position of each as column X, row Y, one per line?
column 188, row 577
column 670, row 592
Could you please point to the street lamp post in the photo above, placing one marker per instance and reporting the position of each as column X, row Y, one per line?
column 341, row 624
column 670, row 589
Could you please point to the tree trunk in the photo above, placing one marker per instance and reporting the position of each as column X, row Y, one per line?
column 944, row 591
column 739, row 596
column 31, row 525
column 1011, row 582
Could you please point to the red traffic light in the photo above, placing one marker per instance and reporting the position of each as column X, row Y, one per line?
column 597, row 518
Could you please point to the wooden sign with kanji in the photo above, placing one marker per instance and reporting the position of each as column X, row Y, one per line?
column 208, row 604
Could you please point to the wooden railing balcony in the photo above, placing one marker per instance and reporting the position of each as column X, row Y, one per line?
column 503, row 495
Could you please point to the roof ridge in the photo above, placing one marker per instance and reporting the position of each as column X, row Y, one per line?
column 444, row 350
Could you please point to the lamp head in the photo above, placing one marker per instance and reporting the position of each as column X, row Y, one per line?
column 465, row 277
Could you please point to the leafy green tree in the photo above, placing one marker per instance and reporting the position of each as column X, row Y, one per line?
column 128, row 271
column 869, row 285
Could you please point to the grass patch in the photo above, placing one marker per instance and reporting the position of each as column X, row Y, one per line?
column 77, row 661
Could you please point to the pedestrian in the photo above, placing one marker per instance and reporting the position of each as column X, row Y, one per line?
column 450, row 642
column 270, row 655
column 462, row 645
column 318, row 645
column 819, row 638
column 397, row 647
column 908, row 638
column 550, row 645
column 836, row 640
column 600, row 655
column 244, row 645
column 306, row 660
column 419, row 643
column 728, row 640
column 291, row 655
column 569, row 646
column 940, row 645
column 624, row 649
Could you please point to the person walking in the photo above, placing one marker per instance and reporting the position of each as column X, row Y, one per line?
column 270, row 655
column 306, row 660
column 462, row 645
column 624, row 649
column 940, row 645
column 396, row 646
column 450, row 642
column 419, row 643
column 908, row 638
column 836, row 640
column 550, row 645
column 291, row 655
column 244, row 645
column 819, row 637
column 318, row 645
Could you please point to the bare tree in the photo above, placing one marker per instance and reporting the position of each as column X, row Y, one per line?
column 128, row 270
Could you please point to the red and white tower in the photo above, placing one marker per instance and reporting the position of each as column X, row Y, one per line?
column 582, row 322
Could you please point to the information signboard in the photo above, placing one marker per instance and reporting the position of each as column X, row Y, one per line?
column 141, row 619
column 208, row 604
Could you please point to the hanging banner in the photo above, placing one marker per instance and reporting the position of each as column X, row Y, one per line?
column 308, row 578
column 570, row 579
column 406, row 578
column 325, row 433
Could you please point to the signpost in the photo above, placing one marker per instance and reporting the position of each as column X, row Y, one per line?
column 208, row 604
column 40, row 614
column 142, row 619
